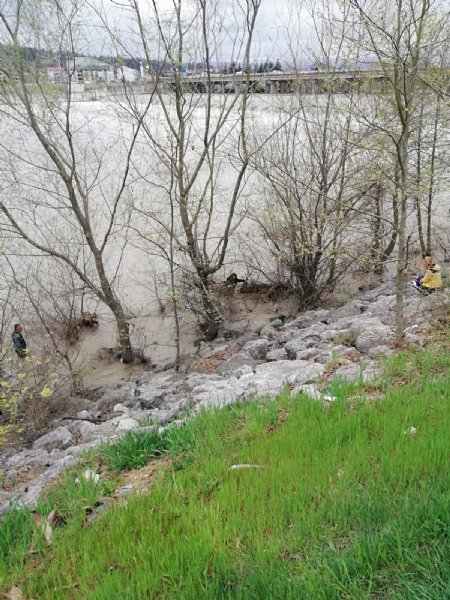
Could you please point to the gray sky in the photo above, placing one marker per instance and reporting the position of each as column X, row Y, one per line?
column 270, row 39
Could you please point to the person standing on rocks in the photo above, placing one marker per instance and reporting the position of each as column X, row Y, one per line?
column 20, row 345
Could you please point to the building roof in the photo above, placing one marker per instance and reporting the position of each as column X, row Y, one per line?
column 87, row 63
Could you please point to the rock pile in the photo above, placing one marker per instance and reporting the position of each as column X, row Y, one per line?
column 343, row 342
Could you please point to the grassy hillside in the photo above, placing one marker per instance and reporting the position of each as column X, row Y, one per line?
column 346, row 503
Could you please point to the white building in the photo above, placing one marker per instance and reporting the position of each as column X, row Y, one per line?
column 124, row 73
column 84, row 69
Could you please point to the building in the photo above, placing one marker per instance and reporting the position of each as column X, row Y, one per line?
column 55, row 75
column 85, row 69
column 128, row 74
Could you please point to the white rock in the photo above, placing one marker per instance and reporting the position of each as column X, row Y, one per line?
column 120, row 408
column 244, row 370
column 307, row 354
column 84, row 414
column 282, row 368
column 331, row 334
column 380, row 351
column 354, row 372
column 278, row 354
column 127, row 424
column 311, row 390
column 310, row 373
column 87, row 430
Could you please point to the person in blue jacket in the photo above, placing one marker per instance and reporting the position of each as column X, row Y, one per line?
column 20, row 345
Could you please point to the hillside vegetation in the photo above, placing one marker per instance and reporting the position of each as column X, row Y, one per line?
column 348, row 500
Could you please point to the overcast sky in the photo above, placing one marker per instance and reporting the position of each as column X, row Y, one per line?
column 270, row 39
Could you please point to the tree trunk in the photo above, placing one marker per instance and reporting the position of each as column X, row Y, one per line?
column 212, row 317
column 401, row 273
column 375, row 251
column 123, row 329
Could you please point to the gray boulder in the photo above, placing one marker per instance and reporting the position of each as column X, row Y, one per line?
column 350, row 309
column 127, row 424
column 196, row 379
column 248, row 336
column 343, row 323
column 87, row 431
column 278, row 354
column 349, row 372
column 368, row 332
column 162, row 416
column 330, row 335
column 60, row 439
column 307, row 319
column 412, row 338
column 336, row 352
column 310, row 373
column 281, row 369
column 372, row 338
column 276, row 323
column 123, row 393
column 218, row 349
column 380, row 351
column 244, row 370
column 269, row 332
column 287, row 336
column 307, row 354
column 219, row 393
column 236, row 361
column 382, row 306
column 84, row 414
column 301, row 343
column 355, row 372
column 154, row 390
column 257, row 349
column 120, row 408
column 309, row 389
column 29, row 458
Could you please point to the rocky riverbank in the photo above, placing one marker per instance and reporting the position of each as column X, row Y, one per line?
column 303, row 353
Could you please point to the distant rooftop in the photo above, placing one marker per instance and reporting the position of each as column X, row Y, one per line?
column 87, row 63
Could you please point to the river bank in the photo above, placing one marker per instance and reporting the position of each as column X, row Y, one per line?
column 304, row 353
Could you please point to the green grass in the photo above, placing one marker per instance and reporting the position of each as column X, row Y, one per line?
column 136, row 448
column 345, row 504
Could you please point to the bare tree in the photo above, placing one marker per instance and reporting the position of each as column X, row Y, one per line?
column 401, row 35
column 311, row 165
column 200, row 130
column 62, row 187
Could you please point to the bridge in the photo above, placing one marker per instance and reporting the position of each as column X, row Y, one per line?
column 278, row 82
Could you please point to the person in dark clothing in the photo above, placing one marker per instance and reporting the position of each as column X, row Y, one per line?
column 20, row 345
column 234, row 280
